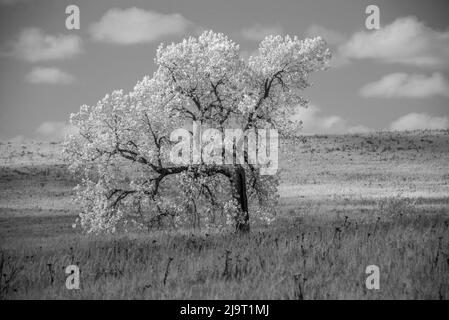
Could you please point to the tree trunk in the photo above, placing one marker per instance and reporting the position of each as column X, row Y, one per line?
column 239, row 180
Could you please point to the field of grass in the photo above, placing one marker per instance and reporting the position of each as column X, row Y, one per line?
column 346, row 202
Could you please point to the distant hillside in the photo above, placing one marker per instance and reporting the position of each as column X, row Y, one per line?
column 30, row 152
column 323, row 171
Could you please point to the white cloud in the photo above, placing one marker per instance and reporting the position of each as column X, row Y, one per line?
column 406, row 41
column 49, row 76
column 397, row 85
column 258, row 32
column 419, row 121
column 55, row 130
column 134, row 25
column 17, row 139
column 33, row 45
column 315, row 122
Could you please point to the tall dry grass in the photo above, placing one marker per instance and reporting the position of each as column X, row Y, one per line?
column 311, row 257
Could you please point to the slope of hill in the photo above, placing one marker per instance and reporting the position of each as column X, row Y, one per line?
column 328, row 171
column 346, row 202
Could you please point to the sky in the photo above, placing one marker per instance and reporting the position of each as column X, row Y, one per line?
column 393, row 78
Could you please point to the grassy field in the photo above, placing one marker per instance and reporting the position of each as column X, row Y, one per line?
column 346, row 202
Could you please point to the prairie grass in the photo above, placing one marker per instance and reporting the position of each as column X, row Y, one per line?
column 312, row 257
column 346, row 202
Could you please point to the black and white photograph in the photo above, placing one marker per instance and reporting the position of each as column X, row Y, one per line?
column 224, row 155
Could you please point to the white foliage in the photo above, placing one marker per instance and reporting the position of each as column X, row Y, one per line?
column 122, row 146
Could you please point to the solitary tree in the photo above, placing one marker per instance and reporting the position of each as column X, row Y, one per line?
column 123, row 145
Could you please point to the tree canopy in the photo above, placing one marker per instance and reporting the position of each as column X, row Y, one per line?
column 123, row 145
